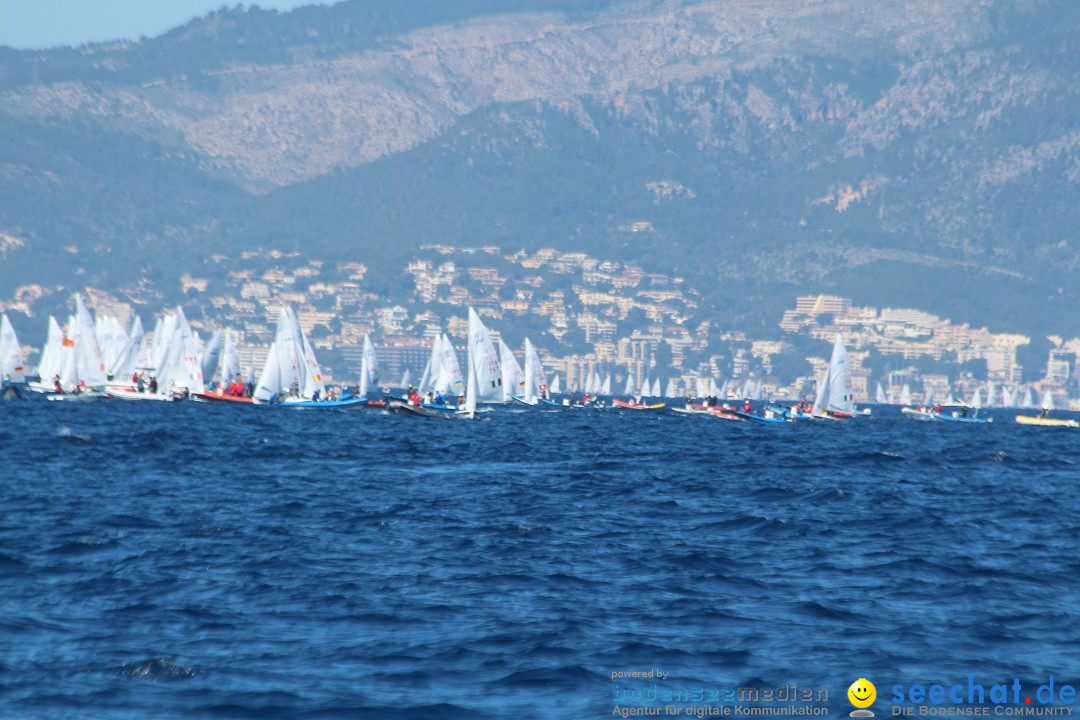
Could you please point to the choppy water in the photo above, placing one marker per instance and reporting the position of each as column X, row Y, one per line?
column 177, row 561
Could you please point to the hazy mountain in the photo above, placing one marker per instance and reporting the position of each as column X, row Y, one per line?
column 903, row 152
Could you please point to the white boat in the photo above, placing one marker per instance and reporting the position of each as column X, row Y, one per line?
column 834, row 396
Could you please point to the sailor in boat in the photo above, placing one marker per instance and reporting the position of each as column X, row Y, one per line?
column 746, row 406
column 461, row 402
column 57, row 386
column 937, row 409
column 294, row 389
column 440, row 399
column 139, row 384
column 153, row 387
column 1045, row 413
column 315, row 396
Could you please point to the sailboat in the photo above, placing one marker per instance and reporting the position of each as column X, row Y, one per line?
column 485, row 375
column 232, row 388
column 535, row 380
column 51, row 362
column 291, row 376
column 905, row 395
column 556, row 388
column 177, row 369
column 834, row 396
column 879, row 396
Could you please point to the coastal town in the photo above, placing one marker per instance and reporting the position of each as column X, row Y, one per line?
column 585, row 315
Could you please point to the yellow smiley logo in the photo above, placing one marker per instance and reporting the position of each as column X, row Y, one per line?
column 862, row 693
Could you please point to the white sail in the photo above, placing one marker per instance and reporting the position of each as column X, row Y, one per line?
column 990, row 399
column 629, row 389
column 128, row 361
column 671, row 390
column 657, row 391
column 405, row 377
column 835, row 393
column 159, row 348
column 905, row 395
column 819, row 399
column 449, row 380
column 313, row 382
column 1029, row 401
column 173, row 369
column 513, row 377
column 556, row 388
column 431, row 369
column 111, row 339
column 879, row 395
column 722, row 393
column 369, row 369
column 286, row 366
column 192, row 377
column 210, row 356
column 52, row 359
column 605, row 387
column 11, row 364
column 230, row 361
column 471, row 389
column 289, row 351
column 928, row 400
column 1008, row 397
column 535, row 379
column 69, row 376
column 747, row 389
column 976, row 399
column 270, row 379
column 485, row 375
column 1048, row 401
column 89, row 365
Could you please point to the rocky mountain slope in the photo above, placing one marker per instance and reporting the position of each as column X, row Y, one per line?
column 904, row 152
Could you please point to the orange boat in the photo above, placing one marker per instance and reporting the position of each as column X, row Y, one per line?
column 220, row 396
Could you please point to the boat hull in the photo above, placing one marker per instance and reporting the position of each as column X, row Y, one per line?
column 222, row 398
column 625, row 405
column 1046, row 422
column 342, row 404
column 404, row 407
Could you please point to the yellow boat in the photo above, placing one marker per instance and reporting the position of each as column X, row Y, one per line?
column 1045, row 421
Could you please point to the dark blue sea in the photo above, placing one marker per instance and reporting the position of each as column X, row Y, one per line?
column 187, row 561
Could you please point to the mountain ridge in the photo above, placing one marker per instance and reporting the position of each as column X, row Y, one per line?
column 774, row 150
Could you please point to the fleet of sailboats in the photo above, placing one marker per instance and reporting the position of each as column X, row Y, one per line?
column 97, row 357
